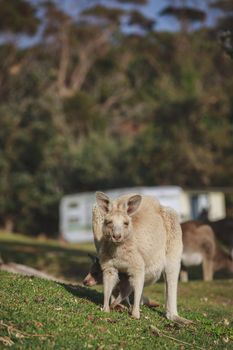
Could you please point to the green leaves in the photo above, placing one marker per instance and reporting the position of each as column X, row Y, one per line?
column 95, row 104
column 18, row 16
column 184, row 13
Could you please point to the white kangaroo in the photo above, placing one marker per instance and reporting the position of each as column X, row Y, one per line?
column 142, row 239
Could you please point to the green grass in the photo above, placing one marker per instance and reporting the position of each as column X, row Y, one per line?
column 39, row 314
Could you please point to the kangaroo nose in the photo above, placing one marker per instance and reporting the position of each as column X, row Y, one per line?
column 117, row 236
column 89, row 282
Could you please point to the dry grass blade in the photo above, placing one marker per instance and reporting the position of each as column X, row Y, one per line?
column 12, row 331
column 6, row 341
column 157, row 332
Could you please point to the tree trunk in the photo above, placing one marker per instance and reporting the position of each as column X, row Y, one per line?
column 8, row 224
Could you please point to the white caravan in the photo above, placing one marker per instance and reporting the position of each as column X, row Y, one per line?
column 76, row 210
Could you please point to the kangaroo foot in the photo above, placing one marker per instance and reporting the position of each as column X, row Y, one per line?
column 182, row 320
column 136, row 314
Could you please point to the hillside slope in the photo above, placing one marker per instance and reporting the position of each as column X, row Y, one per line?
column 40, row 314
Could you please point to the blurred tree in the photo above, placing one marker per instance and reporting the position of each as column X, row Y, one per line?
column 93, row 104
column 33, row 160
column 185, row 14
column 18, row 17
column 137, row 18
column 225, row 7
column 134, row 2
column 82, row 115
column 77, row 45
column 226, row 39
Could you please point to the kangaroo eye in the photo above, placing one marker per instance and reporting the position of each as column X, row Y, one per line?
column 108, row 223
column 126, row 223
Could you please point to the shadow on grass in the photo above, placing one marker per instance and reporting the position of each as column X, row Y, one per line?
column 38, row 247
column 68, row 263
column 84, row 293
column 97, row 298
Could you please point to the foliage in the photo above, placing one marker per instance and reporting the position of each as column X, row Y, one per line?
column 225, row 7
column 93, row 105
column 184, row 12
column 18, row 16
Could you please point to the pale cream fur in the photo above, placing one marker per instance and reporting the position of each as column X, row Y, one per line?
column 152, row 245
column 97, row 223
column 123, row 289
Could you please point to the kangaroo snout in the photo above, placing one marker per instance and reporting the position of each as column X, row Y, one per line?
column 116, row 236
column 89, row 281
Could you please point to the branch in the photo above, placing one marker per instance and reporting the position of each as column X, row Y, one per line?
column 87, row 56
column 64, row 60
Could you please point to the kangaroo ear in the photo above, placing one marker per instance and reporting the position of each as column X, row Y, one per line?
column 103, row 201
column 133, row 204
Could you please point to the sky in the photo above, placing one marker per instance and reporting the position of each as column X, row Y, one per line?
column 152, row 10
column 163, row 22
column 167, row 23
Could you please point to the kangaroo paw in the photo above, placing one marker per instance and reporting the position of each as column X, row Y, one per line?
column 136, row 314
column 181, row 320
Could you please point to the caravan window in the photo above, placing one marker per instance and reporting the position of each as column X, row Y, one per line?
column 73, row 224
column 73, row 205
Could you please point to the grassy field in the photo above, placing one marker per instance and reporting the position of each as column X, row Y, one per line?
column 39, row 314
column 68, row 261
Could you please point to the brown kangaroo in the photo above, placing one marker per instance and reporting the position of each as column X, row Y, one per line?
column 200, row 247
